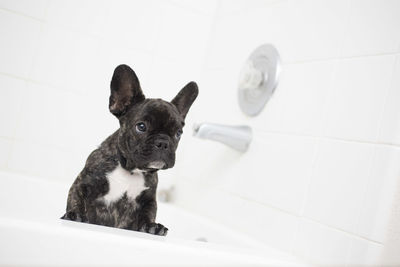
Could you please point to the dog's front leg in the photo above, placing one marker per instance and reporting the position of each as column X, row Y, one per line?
column 76, row 204
column 147, row 222
column 84, row 190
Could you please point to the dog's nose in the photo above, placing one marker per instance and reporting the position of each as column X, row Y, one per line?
column 161, row 144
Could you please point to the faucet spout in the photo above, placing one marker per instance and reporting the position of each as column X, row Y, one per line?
column 236, row 137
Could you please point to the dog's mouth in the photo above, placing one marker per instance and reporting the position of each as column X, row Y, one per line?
column 156, row 165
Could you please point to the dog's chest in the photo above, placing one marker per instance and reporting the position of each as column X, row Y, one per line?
column 122, row 181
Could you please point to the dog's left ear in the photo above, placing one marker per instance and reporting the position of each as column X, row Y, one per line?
column 125, row 90
column 185, row 98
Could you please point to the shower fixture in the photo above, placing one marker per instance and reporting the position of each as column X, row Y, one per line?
column 258, row 79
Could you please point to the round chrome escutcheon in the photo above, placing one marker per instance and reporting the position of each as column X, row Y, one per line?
column 258, row 79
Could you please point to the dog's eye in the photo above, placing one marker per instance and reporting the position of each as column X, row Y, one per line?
column 179, row 133
column 141, row 127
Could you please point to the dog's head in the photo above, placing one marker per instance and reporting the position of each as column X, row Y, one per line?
column 150, row 129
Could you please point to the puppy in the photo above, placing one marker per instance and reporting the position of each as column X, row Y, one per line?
column 117, row 186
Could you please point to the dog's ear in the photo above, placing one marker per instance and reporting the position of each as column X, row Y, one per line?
column 125, row 90
column 185, row 98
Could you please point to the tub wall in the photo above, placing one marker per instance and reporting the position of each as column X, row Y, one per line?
column 320, row 176
column 57, row 59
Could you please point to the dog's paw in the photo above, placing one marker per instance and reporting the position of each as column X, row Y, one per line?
column 72, row 216
column 154, row 228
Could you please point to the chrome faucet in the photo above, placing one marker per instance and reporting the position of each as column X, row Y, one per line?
column 237, row 137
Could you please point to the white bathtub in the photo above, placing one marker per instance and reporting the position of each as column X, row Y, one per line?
column 31, row 233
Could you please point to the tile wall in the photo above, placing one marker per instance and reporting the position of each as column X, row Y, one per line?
column 320, row 177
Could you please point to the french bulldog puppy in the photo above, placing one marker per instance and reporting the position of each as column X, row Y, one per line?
column 117, row 186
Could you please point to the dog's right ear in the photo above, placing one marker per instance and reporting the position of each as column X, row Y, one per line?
column 125, row 90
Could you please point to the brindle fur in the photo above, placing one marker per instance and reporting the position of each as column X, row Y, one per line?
column 132, row 150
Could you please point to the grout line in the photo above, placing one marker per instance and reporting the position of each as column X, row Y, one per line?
column 211, row 40
column 366, row 185
column 22, row 14
column 18, row 77
column 153, row 51
column 299, row 216
column 277, row 209
column 341, row 230
column 325, row 110
column 59, row 178
column 306, row 193
column 98, row 38
column 41, row 143
column 258, row 202
column 8, row 138
column 325, row 137
column 155, row 45
column 310, row 61
column 12, row 142
column 310, row 176
column 190, row 9
column 25, row 79
column 345, row 33
column 384, row 106
column 246, row 11
column 44, row 84
column 18, row 118
column 395, row 53
column 321, row 130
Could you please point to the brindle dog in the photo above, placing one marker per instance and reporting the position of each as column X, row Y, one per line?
column 117, row 186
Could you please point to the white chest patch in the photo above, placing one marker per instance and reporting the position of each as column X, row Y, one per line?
column 122, row 181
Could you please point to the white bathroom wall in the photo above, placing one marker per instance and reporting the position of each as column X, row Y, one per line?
column 56, row 62
column 320, row 176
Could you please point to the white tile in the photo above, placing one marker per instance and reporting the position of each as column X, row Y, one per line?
column 112, row 56
column 83, row 16
column 53, row 55
column 12, row 92
column 271, row 226
column 5, row 151
column 183, row 36
column 302, row 93
column 321, row 245
column 40, row 160
column 379, row 198
column 218, row 99
column 207, row 7
column 274, row 171
column 235, row 37
column 390, row 254
column 338, row 182
column 35, row 8
column 316, row 29
column 67, row 59
column 301, row 30
column 19, row 36
column 132, row 24
column 63, row 119
column 390, row 125
column 357, row 97
column 372, row 28
column 168, row 77
column 233, row 7
column 217, row 160
column 76, row 162
column 364, row 253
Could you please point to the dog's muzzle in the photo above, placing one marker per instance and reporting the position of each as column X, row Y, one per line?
column 156, row 165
